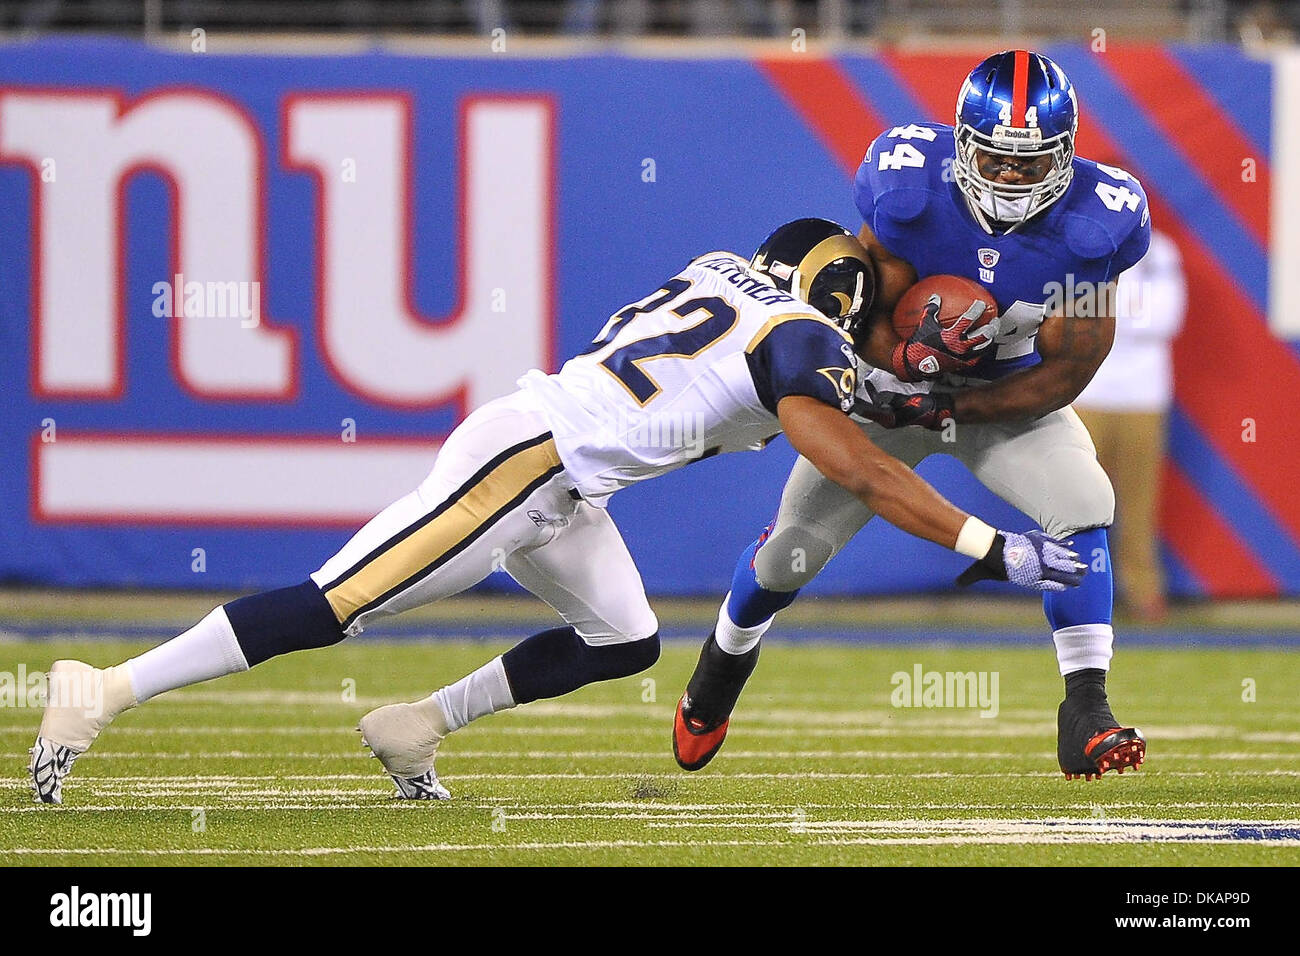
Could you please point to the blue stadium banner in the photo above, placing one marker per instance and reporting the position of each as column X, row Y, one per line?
column 245, row 296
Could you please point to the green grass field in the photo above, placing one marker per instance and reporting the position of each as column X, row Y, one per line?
column 266, row 767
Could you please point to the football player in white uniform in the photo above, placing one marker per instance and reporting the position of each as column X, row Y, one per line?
column 722, row 357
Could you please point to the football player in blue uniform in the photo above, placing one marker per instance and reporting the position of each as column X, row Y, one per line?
column 1001, row 198
column 738, row 349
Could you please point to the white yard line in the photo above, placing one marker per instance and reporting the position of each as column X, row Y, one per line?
column 657, row 755
column 910, row 726
column 1272, row 737
column 999, row 825
column 866, row 716
column 197, row 781
column 383, row 799
column 1047, row 838
column 1032, row 833
column 397, row 848
column 215, row 731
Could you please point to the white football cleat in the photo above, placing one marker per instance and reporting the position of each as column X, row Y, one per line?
column 80, row 702
column 405, row 738
column 50, row 763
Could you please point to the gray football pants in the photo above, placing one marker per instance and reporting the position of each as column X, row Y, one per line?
column 1047, row 468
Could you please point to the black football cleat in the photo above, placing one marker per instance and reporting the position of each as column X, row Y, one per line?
column 704, row 712
column 1090, row 741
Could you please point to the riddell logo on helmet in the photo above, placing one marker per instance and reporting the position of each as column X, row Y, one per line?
column 1018, row 134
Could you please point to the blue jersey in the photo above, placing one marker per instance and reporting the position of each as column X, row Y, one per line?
column 1100, row 227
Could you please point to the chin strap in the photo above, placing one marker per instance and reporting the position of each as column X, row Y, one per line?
column 987, row 224
column 977, row 213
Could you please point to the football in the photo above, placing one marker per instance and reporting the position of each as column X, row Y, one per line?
column 956, row 292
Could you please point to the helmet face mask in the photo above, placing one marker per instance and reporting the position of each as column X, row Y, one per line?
column 822, row 264
column 1014, row 104
column 836, row 292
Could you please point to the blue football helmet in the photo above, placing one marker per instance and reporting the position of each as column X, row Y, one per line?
column 1018, row 104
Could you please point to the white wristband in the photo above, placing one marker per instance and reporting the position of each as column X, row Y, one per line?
column 975, row 538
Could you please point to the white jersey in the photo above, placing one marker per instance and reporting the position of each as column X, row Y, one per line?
column 694, row 369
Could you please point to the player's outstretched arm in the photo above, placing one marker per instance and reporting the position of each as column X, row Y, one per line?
column 1072, row 348
column 840, row 451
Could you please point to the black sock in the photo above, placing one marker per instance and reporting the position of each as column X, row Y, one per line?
column 277, row 622
column 719, row 677
column 555, row 662
column 1091, row 681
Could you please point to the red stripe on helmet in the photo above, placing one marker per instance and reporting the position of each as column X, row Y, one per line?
column 1020, row 88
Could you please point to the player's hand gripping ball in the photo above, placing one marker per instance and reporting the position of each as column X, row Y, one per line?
column 898, row 410
column 946, row 323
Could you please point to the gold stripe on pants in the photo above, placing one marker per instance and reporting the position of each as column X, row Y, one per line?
column 413, row 554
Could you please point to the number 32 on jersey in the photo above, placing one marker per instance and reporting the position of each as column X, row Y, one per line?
column 625, row 362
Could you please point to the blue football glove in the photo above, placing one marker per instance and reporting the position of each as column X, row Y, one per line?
column 1033, row 560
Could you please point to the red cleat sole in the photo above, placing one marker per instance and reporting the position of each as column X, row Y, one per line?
column 692, row 748
column 1116, row 749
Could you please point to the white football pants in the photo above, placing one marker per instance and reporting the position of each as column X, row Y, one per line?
column 498, row 498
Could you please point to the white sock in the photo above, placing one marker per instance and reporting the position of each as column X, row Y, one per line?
column 431, row 711
column 1083, row 646
column 482, row 692
column 207, row 650
column 733, row 638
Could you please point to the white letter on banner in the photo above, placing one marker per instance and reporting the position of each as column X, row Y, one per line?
column 209, row 150
column 373, row 340
column 1284, row 226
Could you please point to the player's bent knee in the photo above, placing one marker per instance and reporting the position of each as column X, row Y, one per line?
column 790, row 559
column 557, row 662
column 646, row 626
column 633, row 627
column 621, row 656
column 1086, row 501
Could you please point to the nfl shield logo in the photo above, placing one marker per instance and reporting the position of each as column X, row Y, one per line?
column 989, row 257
